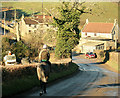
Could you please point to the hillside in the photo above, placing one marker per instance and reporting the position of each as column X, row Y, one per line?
column 101, row 11
column 31, row 7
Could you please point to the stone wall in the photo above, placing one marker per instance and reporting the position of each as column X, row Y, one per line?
column 114, row 56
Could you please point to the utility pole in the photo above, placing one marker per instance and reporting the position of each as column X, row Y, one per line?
column 116, row 32
column 42, row 7
column 33, row 13
column 116, row 35
column 4, row 21
column 42, row 17
column 15, row 17
column 17, row 31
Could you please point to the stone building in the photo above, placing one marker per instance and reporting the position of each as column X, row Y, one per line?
column 98, row 36
column 38, row 23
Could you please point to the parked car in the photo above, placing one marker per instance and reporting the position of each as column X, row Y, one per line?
column 90, row 55
column 10, row 59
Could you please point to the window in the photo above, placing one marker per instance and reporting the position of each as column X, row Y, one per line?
column 86, row 34
column 47, row 25
column 102, row 47
column 35, row 26
column 114, row 32
column 94, row 34
column 29, row 25
column 29, row 30
column 34, row 31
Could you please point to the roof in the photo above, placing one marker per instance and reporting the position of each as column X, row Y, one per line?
column 5, row 9
column 37, row 20
column 30, row 21
column 98, row 27
column 46, row 18
column 41, row 16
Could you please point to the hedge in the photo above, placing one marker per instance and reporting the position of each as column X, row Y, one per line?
column 19, row 79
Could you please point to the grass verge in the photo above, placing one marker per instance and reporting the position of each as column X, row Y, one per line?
column 114, row 65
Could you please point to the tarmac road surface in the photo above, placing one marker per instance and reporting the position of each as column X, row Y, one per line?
column 92, row 80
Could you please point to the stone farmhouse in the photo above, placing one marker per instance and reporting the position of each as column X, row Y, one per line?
column 98, row 36
column 36, row 24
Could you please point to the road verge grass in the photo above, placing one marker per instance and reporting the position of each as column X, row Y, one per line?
column 113, row 65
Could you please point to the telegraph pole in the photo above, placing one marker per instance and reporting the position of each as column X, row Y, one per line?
column 42, row 7
column 116, row 35
column 42, row 17
column 15, row 17
column 4, row 21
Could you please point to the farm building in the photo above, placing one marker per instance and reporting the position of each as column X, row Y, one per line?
column 36, row 24
column 98, row 36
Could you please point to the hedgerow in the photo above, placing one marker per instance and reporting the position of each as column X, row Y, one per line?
column 17, row 79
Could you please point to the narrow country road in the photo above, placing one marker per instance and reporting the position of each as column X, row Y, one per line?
column 92, row 80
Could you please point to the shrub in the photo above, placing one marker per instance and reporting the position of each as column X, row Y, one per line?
column 101, row 54
column 5, row 46
column 20, row 49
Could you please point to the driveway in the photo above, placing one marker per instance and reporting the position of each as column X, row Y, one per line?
column 92, row 80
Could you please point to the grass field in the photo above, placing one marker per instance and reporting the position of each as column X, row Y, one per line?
column 31, row 7
column 101, row 11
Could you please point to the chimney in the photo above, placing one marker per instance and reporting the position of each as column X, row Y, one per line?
column 116, row 32
column 87, row 21
column 22, row 16
column 17, row 32
column 115, row 21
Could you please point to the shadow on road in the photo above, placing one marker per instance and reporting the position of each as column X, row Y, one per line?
column 105, row 59
column 108, row 85
column 77, row 54
column 96, row 63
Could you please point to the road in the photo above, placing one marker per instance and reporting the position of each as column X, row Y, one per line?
column 92, row 80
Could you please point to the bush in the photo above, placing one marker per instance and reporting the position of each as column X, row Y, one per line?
column 14, row 72
column 119, row 48
column 101, row 54
column 20, row 49
column 5, row 46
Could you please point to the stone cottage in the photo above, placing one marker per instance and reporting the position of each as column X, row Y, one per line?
column 28, row 25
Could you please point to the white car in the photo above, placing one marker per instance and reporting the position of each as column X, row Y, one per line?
column 10, row 59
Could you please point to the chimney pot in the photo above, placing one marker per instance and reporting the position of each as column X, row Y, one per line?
column 87, row 21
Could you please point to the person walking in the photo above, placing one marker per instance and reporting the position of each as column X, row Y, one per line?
column 43, row 68
column 44, row 55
